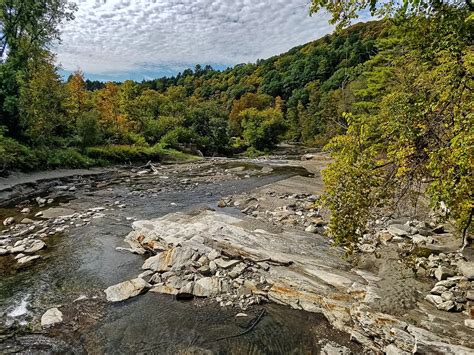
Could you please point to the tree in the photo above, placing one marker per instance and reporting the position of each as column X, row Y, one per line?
column 343, row 11
column 41, row 95
column 262, row 129
column 27, row 24
column 411, row 127
column 27, row 27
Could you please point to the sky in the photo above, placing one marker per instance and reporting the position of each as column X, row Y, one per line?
column 146, row 39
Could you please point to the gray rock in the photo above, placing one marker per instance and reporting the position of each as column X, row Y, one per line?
column 447, row 296
column 367, row 248
column 176, row 257
column 161, row 288
column 467, row 269
column 27, row 221
column 311, row 229
column 434, row 299
column 28, row 259
column 438, row 290
column 447, row 283
column 206, row 287
column 213, row 254
column 226, row 264
column 331, row 348
column 35, row 246
column 446, row 306
column 237, row 270
column 399, row 230
column 442, row 273
column 3, row 251
column 8, row 221
column 25, row 210
column 469, row 323
column 187, row 289
column 126, row 290
column 51, row 317
column 56, row 212
column 470, row 295
column 419, row 239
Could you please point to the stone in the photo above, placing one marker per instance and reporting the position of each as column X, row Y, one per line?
column 28, row 259
column 311, row 229
column 26, row 221
column 3, row 251
column 205, row 270
column 434, row 299
column 165, row 289
column 385, row 237
column 221, row 204
column 226, row 264
column 56, row 212
column 332, row 348
column 8, row 221
column 419, row 239
column 467, row 269
column 469, row 323
column 447, row 283
column 446, row 306
column 51, row 317
column 241, row 315
column 470, row 295
column 392, row 349
column 126, row 290
column 35, row 246
column 237, row 270
column 40, row 201
column 399, row 230
column 447, row 296
column 442, row 273
column 438, row 290
column 175, row 257
column 367, row 248
column 213, row 254
column 25, row 210
column 187, row 289
column 206, row 287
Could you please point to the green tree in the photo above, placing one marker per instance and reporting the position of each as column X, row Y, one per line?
column 262, row 129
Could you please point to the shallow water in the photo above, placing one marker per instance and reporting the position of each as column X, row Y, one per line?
column 79, row 264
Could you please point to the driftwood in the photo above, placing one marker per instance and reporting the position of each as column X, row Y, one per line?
column 150, row 166
column 251, row 326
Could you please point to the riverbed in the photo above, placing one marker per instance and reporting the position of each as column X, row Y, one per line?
column 81, row 261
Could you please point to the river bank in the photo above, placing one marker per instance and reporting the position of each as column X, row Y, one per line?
column 252, row 231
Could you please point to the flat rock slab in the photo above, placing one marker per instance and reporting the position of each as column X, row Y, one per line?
column 126, row 290
column 56, row 212
column 306, row 272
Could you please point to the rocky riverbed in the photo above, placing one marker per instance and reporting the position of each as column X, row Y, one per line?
column 221, row 240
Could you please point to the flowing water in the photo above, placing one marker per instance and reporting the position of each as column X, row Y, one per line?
column 79, row 264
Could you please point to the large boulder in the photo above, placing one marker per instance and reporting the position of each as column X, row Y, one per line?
column 176, row 257
column 206, row 287
column 467, row 269
column 126, row 290
column 51, row 317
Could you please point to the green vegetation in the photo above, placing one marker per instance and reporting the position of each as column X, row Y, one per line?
column 249, row 108
column 409, row 127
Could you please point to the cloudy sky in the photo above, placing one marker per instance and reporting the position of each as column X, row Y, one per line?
column 120, row 39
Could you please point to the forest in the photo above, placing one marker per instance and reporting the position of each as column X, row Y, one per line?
column 390, row 99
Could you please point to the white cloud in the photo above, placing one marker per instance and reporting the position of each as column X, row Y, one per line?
column 124, row 36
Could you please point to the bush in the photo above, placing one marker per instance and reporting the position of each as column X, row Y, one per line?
column 88, row 129
column 155, row 129
column 262, row 129
column 178, row 136
column 69, row 158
